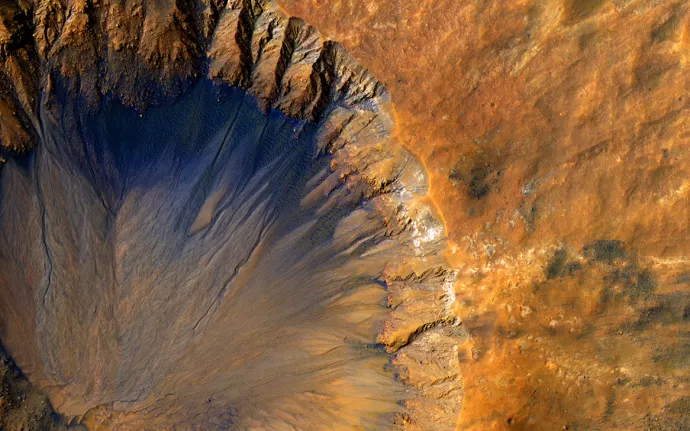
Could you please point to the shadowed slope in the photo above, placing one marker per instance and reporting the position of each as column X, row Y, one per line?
column 203, row 257
column 205, row 261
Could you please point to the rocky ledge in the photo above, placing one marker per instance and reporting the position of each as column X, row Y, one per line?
column 111, row 345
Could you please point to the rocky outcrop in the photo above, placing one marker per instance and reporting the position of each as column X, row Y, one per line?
column 21, row 405
column 144, row 349
column 147, row 52
column 554, row 134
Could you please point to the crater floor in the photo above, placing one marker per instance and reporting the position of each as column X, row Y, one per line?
column 207, row 223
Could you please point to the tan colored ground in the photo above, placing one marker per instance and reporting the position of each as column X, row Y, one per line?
column 556, row 137
column 554, row 134
column 145, row 53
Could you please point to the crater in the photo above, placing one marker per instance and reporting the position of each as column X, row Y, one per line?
column 204, row 212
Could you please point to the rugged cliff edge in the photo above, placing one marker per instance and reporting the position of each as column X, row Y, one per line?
column 147, row 52
column 554, row 134
column 128, row 312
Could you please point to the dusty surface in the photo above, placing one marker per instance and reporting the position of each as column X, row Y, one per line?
column 204, row 211
column 555, row 135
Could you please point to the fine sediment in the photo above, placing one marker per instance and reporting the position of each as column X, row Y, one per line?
column 554, row 134
column 209, row 223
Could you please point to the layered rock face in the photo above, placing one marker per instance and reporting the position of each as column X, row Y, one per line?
column 207, row 223
column 555, row 136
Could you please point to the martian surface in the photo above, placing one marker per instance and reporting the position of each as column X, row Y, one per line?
column 344, row 215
